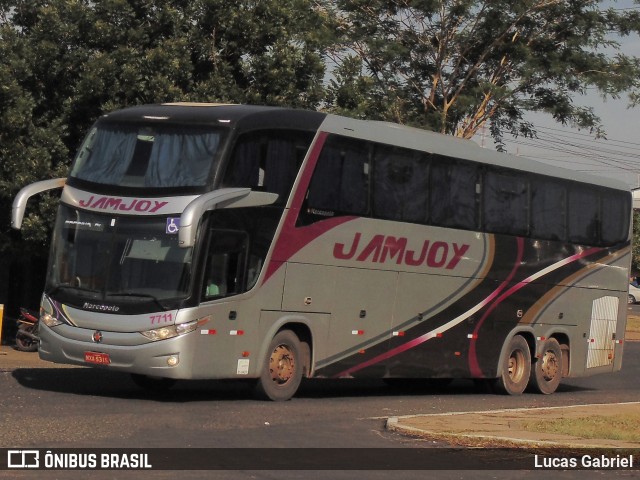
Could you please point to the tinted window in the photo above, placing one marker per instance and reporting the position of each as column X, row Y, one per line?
column 340, row 181
column 411, row 186
column 583, row 215
column 453, row 194
column 224, row 266
column 548, row 210
column 267, row 161
column 148, row 156
column 400, row 184
column 506, row 203
column 615, row 217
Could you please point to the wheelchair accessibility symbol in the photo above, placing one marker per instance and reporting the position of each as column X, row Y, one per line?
column 173, row 225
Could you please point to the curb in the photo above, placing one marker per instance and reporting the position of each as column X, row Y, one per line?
column 395, row 424
column 392, row 425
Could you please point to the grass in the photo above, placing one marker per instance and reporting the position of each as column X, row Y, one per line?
column 633, row 324
column 616, row 427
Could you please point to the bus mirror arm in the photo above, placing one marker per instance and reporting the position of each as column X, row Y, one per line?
column 23, row 196
column 223, row 198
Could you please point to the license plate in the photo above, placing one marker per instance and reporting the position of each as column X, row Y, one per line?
column 97, row 358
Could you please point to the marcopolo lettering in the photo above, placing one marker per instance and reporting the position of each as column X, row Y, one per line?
column 384, row 248
column 102, row 308
column 123, row 205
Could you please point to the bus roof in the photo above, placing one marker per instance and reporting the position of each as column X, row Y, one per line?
column 247, row 117
column 234, row 116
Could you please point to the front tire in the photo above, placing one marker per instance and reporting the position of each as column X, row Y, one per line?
column 516, row 368
column 282, row 371
column 547, row 370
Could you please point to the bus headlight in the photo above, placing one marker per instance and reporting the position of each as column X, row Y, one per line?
column 164, row 333
column 49, row 320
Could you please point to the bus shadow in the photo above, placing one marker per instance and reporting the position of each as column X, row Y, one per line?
column 103, row 383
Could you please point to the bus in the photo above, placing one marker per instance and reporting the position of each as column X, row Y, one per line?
column 209, row 241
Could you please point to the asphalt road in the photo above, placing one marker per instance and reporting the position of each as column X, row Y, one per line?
column 82, row 407
column 86, row 407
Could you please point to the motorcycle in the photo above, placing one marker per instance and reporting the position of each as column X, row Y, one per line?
column 27, row 336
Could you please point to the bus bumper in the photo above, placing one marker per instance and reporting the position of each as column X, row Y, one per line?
column 171, row 358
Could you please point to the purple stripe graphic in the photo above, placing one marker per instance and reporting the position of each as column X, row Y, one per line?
column 495, row 294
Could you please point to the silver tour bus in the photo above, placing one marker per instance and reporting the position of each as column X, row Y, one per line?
column 202, row 241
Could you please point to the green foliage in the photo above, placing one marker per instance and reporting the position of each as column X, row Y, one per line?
column 63, row 63
column 450, row 66
column 454, row 65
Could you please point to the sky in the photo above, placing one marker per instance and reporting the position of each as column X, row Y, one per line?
column 617, row 156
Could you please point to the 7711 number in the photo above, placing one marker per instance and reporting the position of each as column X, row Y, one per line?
column 161, row 318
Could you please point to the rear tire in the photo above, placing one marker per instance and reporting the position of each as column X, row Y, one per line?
column 547, row 370
column 283, row 367
column 515, row 368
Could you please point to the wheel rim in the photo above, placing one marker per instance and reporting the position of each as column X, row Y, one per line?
column 516, row 366
column 550, row 366
column 282, row 364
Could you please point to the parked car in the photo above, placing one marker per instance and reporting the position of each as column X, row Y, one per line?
column 634, row 294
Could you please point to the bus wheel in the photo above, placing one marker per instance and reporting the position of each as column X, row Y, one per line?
column 516, row 368
column 547, row 370
column 282, row 371
column 153, row 384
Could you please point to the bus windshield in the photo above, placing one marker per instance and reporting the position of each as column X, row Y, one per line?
column 132, row 262
column 132, row 155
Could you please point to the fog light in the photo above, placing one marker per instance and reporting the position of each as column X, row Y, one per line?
column 173, row 360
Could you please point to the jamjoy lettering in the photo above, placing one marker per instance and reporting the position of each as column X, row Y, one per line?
column 120, row 204
column 383, row 248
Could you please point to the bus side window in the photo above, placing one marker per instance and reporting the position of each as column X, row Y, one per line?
column 506, row 203
column 454, row 194
column 583, row 215
column 548, row 210
column 400, row 184
column 615, row 217
column 340, row 182
column 267, row 161
column 224, row 266
column 253, row 270
column 244, row 169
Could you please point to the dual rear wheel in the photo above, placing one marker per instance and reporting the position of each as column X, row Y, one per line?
column 519, row 372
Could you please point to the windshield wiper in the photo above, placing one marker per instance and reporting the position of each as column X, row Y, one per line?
column 59, row 288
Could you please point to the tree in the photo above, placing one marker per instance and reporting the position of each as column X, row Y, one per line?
column 455, row 65
column 63, row 63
